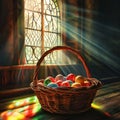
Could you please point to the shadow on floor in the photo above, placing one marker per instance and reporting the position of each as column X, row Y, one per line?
column 91, row 114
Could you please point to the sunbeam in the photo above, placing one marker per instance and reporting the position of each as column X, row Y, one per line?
column 93, row 39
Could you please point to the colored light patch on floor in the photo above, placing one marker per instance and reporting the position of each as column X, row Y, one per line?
column 21, row 113
column 22, row 102
column 21, row 109
column 96, row 106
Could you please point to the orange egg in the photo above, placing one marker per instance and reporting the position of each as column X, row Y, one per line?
column 79, row 79
column 76, row 85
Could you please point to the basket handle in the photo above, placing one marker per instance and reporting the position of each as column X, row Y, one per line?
column 59, row 48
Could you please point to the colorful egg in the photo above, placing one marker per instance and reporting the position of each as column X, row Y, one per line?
column 51, row 78
column 59, row 82
column 65, row 84
column 76, row 85
column 47, row 81
column 59, row 77
column 87, row 83
column 79, row 79
column 71, row 76
column 52, row 85
column 70, row 81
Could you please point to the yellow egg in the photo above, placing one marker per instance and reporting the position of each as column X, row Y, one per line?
column 79, row 79
column 76, row 85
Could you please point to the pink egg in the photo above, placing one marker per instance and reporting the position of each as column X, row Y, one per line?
column 59, row 77
column 66, row 84
column 71, row 76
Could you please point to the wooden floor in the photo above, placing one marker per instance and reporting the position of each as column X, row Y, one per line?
column 105, row 106
column 109, row 99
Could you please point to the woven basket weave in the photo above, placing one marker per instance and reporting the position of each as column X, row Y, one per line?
column 64, row 100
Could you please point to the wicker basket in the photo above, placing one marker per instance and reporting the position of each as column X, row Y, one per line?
column 64, row 100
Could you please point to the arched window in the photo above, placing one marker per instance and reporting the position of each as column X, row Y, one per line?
column 42, row 29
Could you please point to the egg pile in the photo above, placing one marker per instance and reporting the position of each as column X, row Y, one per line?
column 71, row 80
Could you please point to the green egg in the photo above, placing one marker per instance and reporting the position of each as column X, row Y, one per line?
column 47, row 81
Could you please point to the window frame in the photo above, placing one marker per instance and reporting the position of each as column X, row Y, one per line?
column 59, row 3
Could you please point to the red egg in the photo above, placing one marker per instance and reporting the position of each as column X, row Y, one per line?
column 71, row 76
column 70, row 81
column 59, row 82
column 87, row 83
column 51, row 78
column 65, row 84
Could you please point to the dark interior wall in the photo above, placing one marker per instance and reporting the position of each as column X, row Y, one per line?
column 104, row 34
column 6, row 33
column 109, row 18
column 93, row 28
column 11, row 32
column 88, row 23
column 90, row 26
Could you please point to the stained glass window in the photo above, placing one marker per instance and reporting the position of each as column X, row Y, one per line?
column 42, row 29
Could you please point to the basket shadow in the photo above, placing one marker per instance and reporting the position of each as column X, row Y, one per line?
column 91, row 114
